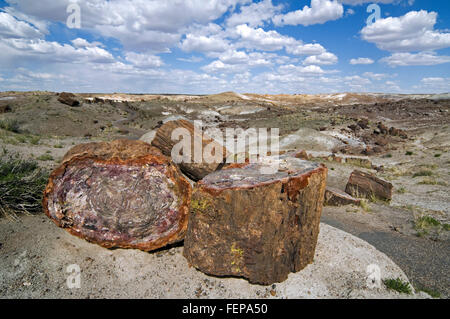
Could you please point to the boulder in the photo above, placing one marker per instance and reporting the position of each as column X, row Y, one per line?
column 68, row 99
column 5, row 107
column 258, row 226
column 336, row 197
column 363, row 123
column 123, row 194
column 195, row 171
column 366, row 185
column 383, row 128
column 397, row 132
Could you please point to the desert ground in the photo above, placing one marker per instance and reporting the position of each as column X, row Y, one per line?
column 403, row 139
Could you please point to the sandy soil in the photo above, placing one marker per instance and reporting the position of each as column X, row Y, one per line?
column 36, row 254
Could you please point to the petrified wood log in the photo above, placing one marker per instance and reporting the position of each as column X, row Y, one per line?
column 361, row 184
column 121, row 194
column 335, row 197
column 196, row 171
column 68, row 99
column 257, row 226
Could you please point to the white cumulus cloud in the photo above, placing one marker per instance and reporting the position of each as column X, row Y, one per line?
column 421, row 58
column 361, row 61
column 319, row 12
column 411, row 32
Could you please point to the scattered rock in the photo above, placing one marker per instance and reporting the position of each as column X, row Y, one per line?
column 368, row 151
column 98, row 100
column 363, row 123
column 68, row 99
column 381, row 141
column 335, row 197
column 378, row 149
column 362, row 184
column 5, row 108
column 123, row 194
column 397, row 132
column 301, row 154
column 258, row 226
column 383, row 128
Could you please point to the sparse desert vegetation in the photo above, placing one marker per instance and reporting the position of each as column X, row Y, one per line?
column 22, row 183
column 398, row 285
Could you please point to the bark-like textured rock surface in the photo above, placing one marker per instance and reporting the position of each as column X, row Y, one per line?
column 195, row 171
column 257, row 226
column 121, row 194
column 68, row 99
column 336, row 197
column 361, row 184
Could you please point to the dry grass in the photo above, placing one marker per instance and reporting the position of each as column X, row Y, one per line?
column 21, row 186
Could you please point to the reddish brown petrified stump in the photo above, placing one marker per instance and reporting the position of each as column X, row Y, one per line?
column 362, row 184
column 121, row 194
column 195, row 171
column 258, row 226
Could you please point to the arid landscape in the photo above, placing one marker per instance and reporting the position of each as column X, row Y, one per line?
column 401, row 139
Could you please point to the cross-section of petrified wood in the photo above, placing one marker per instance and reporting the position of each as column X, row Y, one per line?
column 194, row 170
column 362, row 184
column 257, row 226
column 120, row 194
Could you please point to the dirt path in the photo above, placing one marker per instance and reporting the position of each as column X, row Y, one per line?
column 425, row 262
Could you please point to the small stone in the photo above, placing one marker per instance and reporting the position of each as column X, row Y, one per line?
column 363, row 123
column 383, row 128
column 335, row 197
column 397, row 132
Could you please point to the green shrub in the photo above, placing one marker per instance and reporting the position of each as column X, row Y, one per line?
column 423, row 173
column 424, row 222
column 432, row 293
column 398, row 285
column 10, row 125
column 34, row 139
column 45, row 157
column 21, row 185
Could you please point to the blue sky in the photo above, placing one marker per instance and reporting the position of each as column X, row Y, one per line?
column 211, row 46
